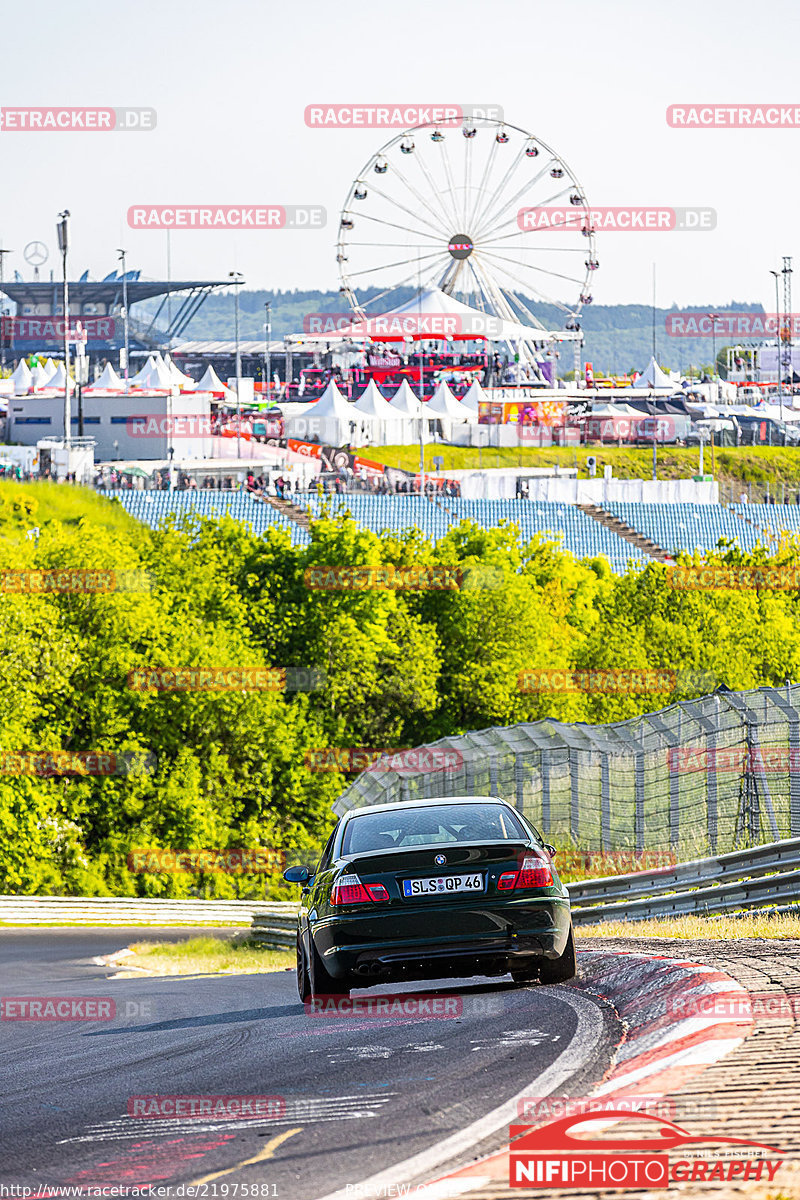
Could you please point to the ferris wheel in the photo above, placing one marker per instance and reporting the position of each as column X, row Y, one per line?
column 442, row 207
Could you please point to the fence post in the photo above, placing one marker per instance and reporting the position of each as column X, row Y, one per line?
column 545, row 767
column 493, row 785
column 638, row 802
column 574, row 808
column 519, row 781
column 605, row 804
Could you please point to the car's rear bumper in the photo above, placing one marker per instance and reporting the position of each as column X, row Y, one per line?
column 436, row 941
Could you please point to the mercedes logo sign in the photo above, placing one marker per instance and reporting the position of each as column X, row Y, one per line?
column 36, row 253
column 440, row 860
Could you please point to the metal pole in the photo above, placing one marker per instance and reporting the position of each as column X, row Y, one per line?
column 2, row 337
column 778, row 340
column 422, row 421
column 125, row 312
column 268, row 307
column 237, row 277
column 63, row 243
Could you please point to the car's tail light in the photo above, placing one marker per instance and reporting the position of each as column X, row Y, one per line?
column 534, row 873
column 350, row 890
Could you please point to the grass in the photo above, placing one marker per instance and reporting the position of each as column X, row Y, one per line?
column 743, row 464
column 23, row 505
column 727, row 928
column 207, row 956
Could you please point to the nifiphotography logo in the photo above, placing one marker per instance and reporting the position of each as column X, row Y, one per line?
column 552, row 1157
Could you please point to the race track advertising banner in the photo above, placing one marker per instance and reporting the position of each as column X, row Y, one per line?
column 547, row 413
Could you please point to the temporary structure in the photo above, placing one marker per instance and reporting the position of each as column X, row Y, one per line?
column 653, row 377
column 58, row 380
column 138, row 379
column 444, row 404
column 211, row 382
column 158, row 378
column 379, row 420
column 184, row 382
column 473, row 397
column 327, row 421
column 405, row 402
column 21, row 378
column 39, row 376
column 108, row 381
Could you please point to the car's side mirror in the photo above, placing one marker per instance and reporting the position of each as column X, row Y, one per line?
column 551, row 850
column 297, row 874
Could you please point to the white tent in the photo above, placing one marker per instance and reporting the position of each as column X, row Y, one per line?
column 379, row 421
column 616, row 410
column 444, row 404
column 21, row 379
column 138, row 379
column 184, row 382
column 50, row 367
column 211, row 382
column 327, row 421
column 430, row 315
column 39, row 376
column 108, row 381
column 405, row 402
column 158, row 378
column 473, row 397
column 58, row 380
column 653, row 377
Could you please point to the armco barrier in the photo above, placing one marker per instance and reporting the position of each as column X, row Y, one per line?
column 762, row 876
column 126, row 910
column 753, row 878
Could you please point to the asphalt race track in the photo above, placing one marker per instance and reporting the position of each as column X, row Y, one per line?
column 361, row 1094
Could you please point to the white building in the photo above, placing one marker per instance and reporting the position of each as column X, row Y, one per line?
column 134, row 425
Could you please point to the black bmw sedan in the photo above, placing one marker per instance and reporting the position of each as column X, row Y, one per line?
column 428, row 889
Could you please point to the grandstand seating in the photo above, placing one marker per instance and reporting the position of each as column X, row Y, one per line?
column 151, row 507
column 578, row 533
column 674, row 527
column 689, row 527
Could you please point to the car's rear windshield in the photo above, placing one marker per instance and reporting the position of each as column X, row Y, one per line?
column 438, row 824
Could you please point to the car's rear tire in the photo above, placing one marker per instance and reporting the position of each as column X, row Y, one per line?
column 321, row 983
column 527, row 974
column 559, row 970
column 303, row 977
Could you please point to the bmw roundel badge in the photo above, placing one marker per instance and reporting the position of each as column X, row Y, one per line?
column 440, row 860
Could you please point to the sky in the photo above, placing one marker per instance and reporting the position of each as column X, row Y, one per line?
column 230, row 83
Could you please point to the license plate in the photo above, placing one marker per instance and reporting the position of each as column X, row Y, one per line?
column 442, row 885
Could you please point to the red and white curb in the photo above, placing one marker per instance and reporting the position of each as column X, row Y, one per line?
column 660, row 1054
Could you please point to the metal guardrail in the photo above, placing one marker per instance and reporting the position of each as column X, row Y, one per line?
column 743, row 879
column 127, row 910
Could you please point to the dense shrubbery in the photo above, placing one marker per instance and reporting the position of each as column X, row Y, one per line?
column 400, row 668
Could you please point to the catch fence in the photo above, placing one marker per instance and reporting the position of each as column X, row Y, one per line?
column 700, row 777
